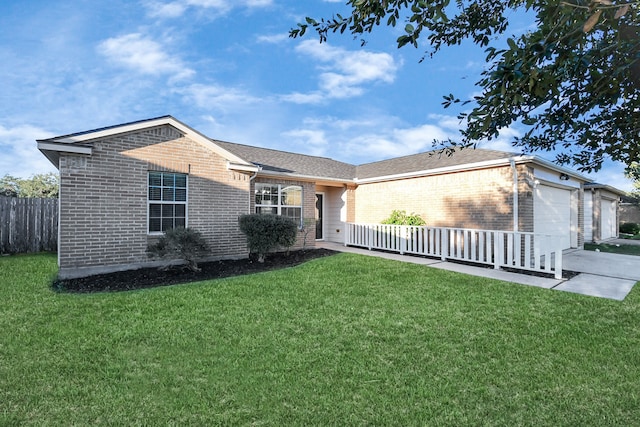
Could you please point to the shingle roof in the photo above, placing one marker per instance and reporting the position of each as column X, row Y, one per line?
column 302, row 164
column 283, row 161
column 428, row 160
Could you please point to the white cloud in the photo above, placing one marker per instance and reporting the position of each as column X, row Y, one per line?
column 177, row 8
column 395, row 142
column 612, row 173
column 273, row 38
column 303, row 98
column 166, row 10
column 217, row 97
column 344, row 73
column 314, row 141
column 143, row 55
column 20, row 154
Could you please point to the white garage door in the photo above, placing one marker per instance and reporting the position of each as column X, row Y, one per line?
column 608, row 219
column 552, row 213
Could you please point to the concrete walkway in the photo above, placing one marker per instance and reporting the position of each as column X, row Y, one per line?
column 601, row 275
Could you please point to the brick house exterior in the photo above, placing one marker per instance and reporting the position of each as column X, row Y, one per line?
column 108, row 186
column 602, row 212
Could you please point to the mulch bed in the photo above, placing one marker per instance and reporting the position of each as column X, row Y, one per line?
column 153, row 277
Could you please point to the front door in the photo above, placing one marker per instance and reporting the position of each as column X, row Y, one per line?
column 319, row 215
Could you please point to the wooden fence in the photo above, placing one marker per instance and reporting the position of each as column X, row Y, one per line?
column 28, row 225
column 500, row 249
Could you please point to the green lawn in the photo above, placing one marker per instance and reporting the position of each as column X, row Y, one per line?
column 614, row 248
column 344, row 340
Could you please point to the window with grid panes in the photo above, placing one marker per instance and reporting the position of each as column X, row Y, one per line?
column 279, row 199
column 167, row 201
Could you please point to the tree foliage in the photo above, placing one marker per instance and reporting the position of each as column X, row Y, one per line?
column 40, row 185
column 633, row 173
column 399, row 217
column 573, row 81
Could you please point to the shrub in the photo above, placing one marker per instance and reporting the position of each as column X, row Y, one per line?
column 180, row 243
column 630, row 228
column 401, row 218
column 267, row 232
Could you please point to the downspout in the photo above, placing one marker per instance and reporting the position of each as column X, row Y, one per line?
column 251, row 180
column 515, row 194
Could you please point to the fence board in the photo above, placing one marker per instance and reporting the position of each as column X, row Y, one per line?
column 28, row 225
column 493, row 247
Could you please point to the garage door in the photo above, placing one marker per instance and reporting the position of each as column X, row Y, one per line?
column 608, row 219
column 552, row 213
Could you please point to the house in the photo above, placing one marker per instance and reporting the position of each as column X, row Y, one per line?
column 629, row 211
column 122, row 186
column 601, row 211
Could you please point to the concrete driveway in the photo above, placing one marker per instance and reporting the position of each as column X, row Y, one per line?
column 601, row 274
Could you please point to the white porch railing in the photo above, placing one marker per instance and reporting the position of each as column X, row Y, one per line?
column 517, row 250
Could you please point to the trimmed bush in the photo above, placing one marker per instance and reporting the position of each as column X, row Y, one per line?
column 401, row 218
column 180, row 243
column 630, row 228
column 267, row 232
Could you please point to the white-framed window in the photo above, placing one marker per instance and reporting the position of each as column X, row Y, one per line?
column 167, row 200
column 279, row 199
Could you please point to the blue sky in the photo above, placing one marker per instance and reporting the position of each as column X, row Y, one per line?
column 228, row 69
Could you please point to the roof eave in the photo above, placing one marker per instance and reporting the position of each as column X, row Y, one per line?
column 595, row 185
column 242, row 167
column 302, row 177
column 561, row 169
column 52, row 150
column 473, row 166
column 442, row 170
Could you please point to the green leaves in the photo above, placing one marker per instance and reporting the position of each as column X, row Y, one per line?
column 573, row 81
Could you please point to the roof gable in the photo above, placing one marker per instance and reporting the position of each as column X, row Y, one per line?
column 81, row 142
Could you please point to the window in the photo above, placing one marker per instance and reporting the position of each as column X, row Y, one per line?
column 277, row 199
column 167, row 201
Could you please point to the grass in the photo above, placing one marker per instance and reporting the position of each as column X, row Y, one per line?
column 614, row 248
column 344, row 340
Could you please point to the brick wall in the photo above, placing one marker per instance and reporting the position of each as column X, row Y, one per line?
column 629, row 212
column 480, row 199
column 103, row 200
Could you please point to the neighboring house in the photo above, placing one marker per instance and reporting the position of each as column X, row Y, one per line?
column 601, row 211
column 629, row 210
column 122, row 186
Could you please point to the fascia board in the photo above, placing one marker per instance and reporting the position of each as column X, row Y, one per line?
column 473, row 166
column 52, row 151
column 242, row 167
column 548, row 164
column 605, row 187
column 300, row 177
column 66, row 148
column 133, row 127
column 440, row 171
